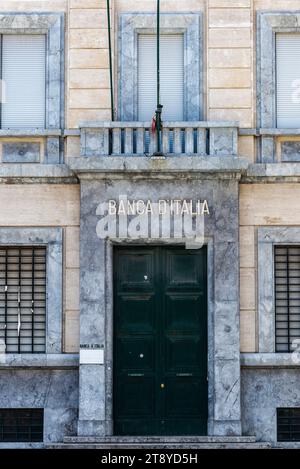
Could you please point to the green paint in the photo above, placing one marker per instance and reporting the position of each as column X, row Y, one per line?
column 160, row 341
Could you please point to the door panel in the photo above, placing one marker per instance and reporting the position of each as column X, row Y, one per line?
column 137, row 397
column 136, row 313
column 137, row 354
column 160, row 341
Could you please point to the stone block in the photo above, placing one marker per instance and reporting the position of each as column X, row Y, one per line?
column 290, row 151
column 229, row 78
column 73, row 147
column 247, row 246
column 230, row 38
column 71, row 344
column 247, row 289
column 229, row 5
column 88, row 39
column 91, row 78
column 223, row 142
column 243, row 116
column 52, row 155
column 91, row 385
column 230, row 98
column 88, row 58
column 247, row 147
column 93, row 18
column 230, row 58
column 72, row 289
column 89, row 99
column 248, row 331
column 39, row 205
column 72, row 247
column 229, row 18
column 75, row 116
column 21, row 152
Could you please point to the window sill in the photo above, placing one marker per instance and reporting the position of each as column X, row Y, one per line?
column 30, row 132
column 36, row 172
column 270, row 360
column 36, row 360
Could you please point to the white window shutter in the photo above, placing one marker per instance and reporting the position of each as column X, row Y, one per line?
column 23, row 71
column 171, row 76
column 288, row 80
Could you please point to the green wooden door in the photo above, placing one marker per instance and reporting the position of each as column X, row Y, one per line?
column 160, row 341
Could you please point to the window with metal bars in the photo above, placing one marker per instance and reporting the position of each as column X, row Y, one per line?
column 21, row 425
column 288, row 424
column 287, row 297
column 23, row 299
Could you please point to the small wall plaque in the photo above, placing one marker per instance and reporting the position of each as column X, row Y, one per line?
column 91, row 357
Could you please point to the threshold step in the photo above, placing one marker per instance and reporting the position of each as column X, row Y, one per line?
column 158, row 439
column 164, row 446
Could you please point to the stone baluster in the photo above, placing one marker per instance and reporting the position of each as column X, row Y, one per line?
column 166, row 140
column 153, row 140
column 140, row 141
column 177, row 141
column 189, row 141
column 201, row 141
column 116, row 141
column 128, row 137
column 104, row 139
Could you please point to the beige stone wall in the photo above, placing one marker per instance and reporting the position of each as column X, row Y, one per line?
column 42, row 205
column 88, row 65
column 260, row 205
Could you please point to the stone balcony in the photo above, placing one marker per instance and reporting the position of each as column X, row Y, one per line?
column 125, row 139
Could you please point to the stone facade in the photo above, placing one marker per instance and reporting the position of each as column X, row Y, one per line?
column 52, row 181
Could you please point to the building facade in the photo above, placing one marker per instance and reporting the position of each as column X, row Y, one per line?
column 133, row 335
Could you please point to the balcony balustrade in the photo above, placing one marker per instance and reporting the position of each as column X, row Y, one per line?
column 177, row 139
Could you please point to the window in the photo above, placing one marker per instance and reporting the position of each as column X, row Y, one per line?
column 288, row 424
column 288, row 80
column 23, row 73
column 21, row 425
column 171, row 76
column 181, row 62
column 287, row 297
column 23, row 299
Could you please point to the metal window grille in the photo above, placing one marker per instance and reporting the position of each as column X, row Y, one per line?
column 287, row 298
column 21, row 425
column 23, row 299
column 288, row 424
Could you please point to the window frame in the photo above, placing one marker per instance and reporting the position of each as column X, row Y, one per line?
column 51, row 25
column 19, row 415
column 267, row 238
column 1, row 77
column 20, row 253
column 52, row 239
column 268, row 25
column 188, row 24
column 290, row 411
column 288, row 308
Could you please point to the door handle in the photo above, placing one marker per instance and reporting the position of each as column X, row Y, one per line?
column 184, row 374
column 135, row 374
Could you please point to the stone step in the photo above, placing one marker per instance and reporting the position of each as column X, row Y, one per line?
column 158, row 439
column 164, row 446
column 156, row 442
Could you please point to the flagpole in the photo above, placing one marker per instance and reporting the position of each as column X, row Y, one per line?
column 158, row 111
